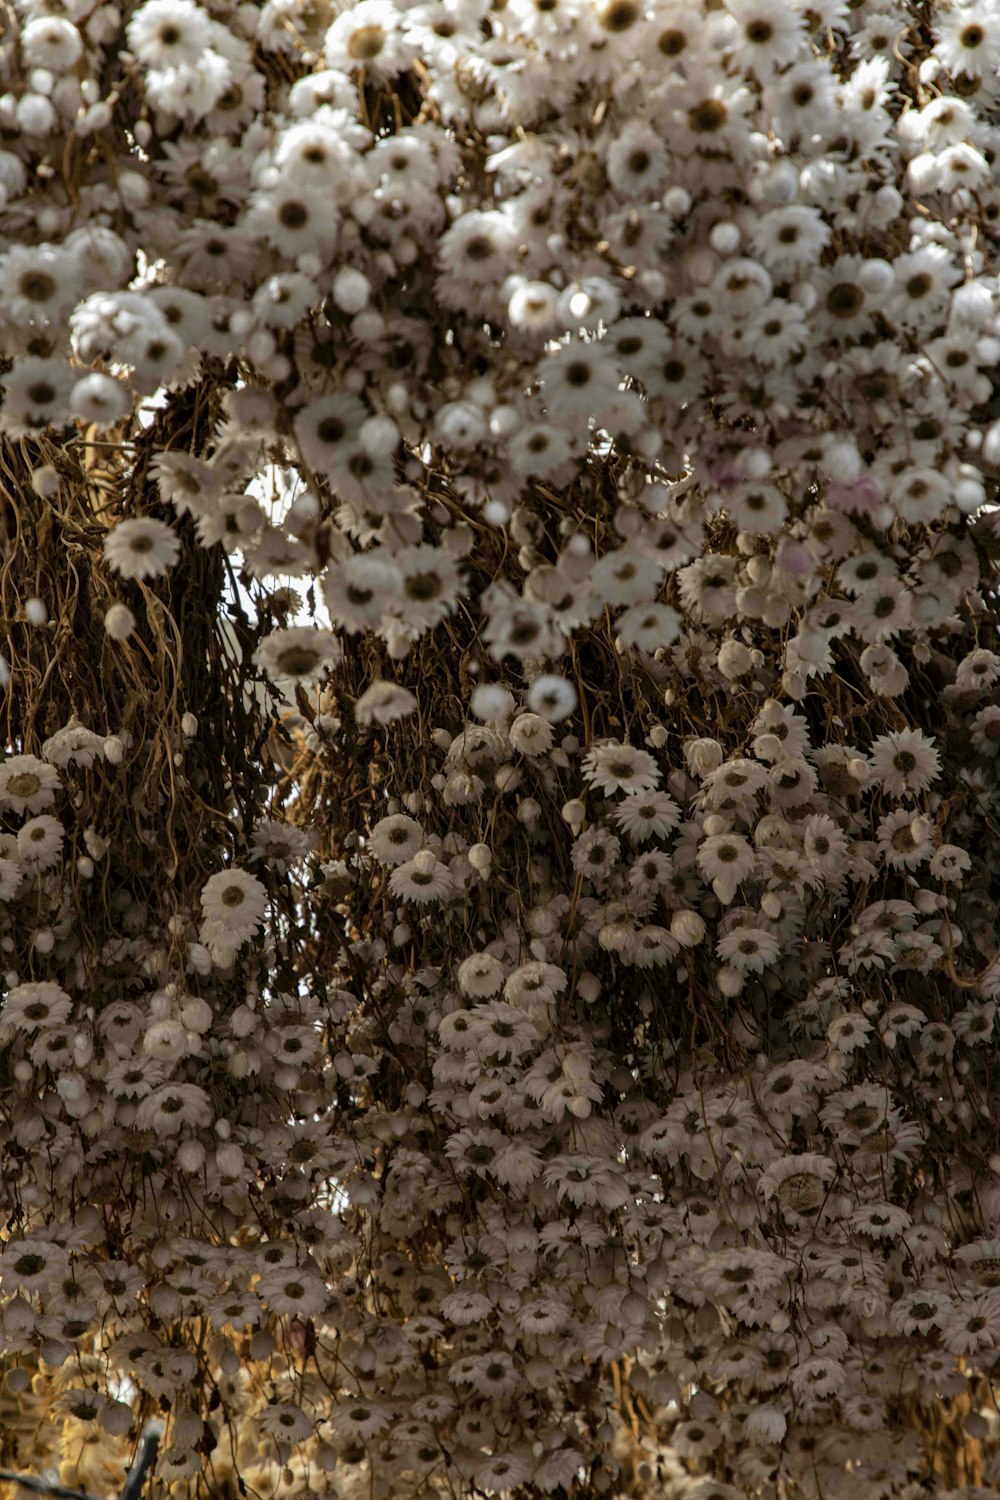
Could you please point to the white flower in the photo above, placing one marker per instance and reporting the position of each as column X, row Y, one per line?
column 52, row 43
column 233, row 904
column 74, row 744
column 648, row 627
column 39, row 841
column 849, row 1032
column 644, row 815
column 368, row 35
column 396, row 839
column 725, row 860
column 292, row 1291
column 360, row 1418
column 280, row 844
column 535, row 983
column 920, row 1311
column 799, row 1183
column 284, row 1421
column 480, row 975
column 502, row 1471
column 119, row 622
column 27, row 784
column 36, row 395
column 173, row 1107
column 35, row 1005
column 552, row 697
column 99, row 400
column 619, row 768
column 297, row 653
column 531, row 735
column 478, row 246
column 905, row 761
column 165, row 33
column 141, row 548
column 422, row 879
column 749, row 950
column 384, row 702
column 359, row 590
column 905, row 841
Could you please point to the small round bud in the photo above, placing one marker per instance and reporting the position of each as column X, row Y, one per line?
column 119, row 622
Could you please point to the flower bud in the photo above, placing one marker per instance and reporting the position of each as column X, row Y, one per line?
column 703, row 756
column 687, row 927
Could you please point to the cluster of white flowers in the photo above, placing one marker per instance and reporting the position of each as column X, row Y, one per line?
column 581, row 1077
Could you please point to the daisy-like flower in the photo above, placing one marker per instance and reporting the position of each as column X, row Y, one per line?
column 370, row 36
column 167, row 33
column 27, row 784
column 173, row 1107
column 730, row 1274
column 478, row 247
column 280, row 845
column 595, row 853
column 73, row 745
column 502, row 1472
column 894, row 1140
column 982, row 1258
column 748, row 950
column 881, row 1221
column 906, row 762
column 327, row 428
column 967, row 39
column 980, row 669
column 973, row 1323
column 383, row 702
column 422, row 879
column 431, row 583
column 30, row 1264
column 920, row 1311
column 733, row 784
column 35, row 1005
column 292, row 1291
column 291, row 219
column 849, row 1032
column 552, row 697
column 232, row 904
column 535, row 983
column 815, row 1379
column 39, row 841
column 11, row 875
column 284, row 1421
column 648, row 627
column 142, row 548
column 360, row 1419
column 799, row 1184
column 652, row 947
column 134, row 1077
column 359, row 590
column 726, row 859
column 396, row 839
column 615, row 767
column 645, row 815
column 650, row 873
column 885, row 671
column 905, row 841
column 297, row 653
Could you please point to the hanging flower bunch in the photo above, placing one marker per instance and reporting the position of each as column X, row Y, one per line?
column 498, row 809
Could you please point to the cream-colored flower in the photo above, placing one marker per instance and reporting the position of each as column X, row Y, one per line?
column 27, row 784
column 141, row 548
column 232, row 903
